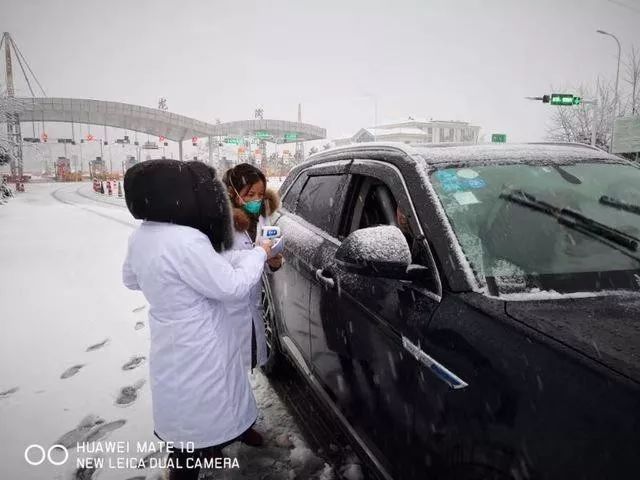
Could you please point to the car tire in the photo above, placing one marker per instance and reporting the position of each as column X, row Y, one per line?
column 275, row 358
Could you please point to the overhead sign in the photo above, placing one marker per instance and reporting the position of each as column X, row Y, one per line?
column 499, row 138
column 232, row 140
column 262, row 135
column 290, row 136
column 626, row 135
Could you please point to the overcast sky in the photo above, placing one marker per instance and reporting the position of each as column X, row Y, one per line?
column 443, row 59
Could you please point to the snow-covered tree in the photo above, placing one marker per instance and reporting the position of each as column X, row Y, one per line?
column 5, row 149
column 8, row 106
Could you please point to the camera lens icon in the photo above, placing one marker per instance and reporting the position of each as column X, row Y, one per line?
column 36, row 454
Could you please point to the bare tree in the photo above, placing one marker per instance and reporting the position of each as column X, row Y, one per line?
column 632, row 78
column 574, row 124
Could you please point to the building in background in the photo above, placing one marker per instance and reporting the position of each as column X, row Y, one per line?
column 416, row 131
column 63, row 168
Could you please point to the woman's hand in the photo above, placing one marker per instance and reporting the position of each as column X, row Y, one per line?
column 276, row 262
column 266, row 246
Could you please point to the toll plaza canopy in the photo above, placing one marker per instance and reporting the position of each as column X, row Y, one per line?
column 152, row 121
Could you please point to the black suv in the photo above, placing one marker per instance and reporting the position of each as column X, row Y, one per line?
column 467, row 311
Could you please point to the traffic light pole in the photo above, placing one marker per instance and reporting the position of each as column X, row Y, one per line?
column 594, row 124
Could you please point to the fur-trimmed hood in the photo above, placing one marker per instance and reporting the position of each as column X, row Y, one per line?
column 271, row 203
column 184, row 193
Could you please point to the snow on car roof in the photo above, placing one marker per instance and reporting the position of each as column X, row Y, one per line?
column 442, row 153
column 524, row 152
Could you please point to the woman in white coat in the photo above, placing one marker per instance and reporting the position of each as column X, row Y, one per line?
column 201, row 395
column 253, row 204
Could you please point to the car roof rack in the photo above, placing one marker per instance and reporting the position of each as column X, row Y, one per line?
column 441, row 145
column 459, row 144
column 568, row 144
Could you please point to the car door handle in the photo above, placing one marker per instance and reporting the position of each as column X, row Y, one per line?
column 325, row 278
column 439, row 370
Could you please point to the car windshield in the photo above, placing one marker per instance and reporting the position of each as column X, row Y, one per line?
column 565, row 227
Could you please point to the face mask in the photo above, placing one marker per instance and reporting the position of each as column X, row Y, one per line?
column 253, row 207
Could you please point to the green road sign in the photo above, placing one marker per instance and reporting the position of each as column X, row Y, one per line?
column 499, row 138
column 262, row 135
column 290, row 136
column 232, row 140
column 565, row 99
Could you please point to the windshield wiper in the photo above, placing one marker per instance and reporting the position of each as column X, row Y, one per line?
column 567, row 176
column 574, row 220
column 619, row 204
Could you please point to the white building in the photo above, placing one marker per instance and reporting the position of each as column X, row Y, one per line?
column 416, row 131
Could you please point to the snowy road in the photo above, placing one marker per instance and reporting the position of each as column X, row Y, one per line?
column 73, row 337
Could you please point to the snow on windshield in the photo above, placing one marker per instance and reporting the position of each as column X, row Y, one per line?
column 507, row 242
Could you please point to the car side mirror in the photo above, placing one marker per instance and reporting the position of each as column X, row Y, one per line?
column 377, row 252
column 417, row 272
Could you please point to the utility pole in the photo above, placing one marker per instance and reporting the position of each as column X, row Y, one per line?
column 375, row 115
column 616, row 110
column 299, row 145
column 594, row 121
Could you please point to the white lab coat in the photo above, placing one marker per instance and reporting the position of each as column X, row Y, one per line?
column 243, row 312
column 199, row 385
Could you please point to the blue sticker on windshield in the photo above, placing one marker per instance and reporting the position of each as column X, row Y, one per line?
column 476, row 183
column 445, row 175
column 452, row 186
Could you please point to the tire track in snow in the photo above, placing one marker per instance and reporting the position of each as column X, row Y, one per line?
column 93, row 199
column 56, row 195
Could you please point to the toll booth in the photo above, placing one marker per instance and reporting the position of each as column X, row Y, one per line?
column 130, row 162
column 63, row 169
column 97, row 168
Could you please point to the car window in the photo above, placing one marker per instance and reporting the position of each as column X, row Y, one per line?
column 318, row 200
column 291, row 198
column 379, row 207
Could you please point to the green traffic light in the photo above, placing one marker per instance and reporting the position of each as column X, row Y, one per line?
column 564, row 99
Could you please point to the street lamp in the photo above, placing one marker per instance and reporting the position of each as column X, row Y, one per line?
column 617, row 106
column 375, row 114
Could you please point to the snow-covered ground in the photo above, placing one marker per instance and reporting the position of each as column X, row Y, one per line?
column 73, row 338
